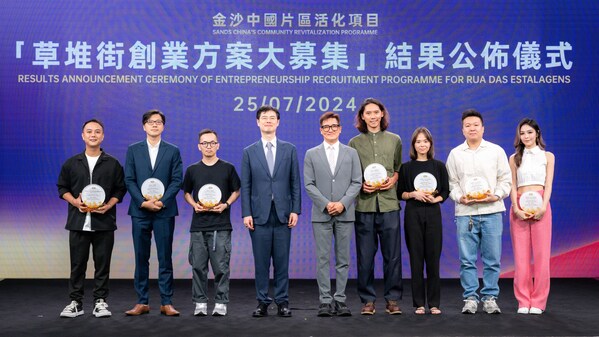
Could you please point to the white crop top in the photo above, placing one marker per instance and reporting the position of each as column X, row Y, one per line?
column 533, row 169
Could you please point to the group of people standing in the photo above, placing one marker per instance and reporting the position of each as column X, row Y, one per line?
column 345, row 200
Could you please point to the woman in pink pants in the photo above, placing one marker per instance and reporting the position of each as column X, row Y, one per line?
column 530, row 218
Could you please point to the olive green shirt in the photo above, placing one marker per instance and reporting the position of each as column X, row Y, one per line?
column 384, row 148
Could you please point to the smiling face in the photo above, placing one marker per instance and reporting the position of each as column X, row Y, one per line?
column 528, row 136
column 268, row 122
column 330, row 130
column 473, row 129
column 93, row 135
column 372, row 116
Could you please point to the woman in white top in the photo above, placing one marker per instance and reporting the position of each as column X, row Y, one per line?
column 530, row 219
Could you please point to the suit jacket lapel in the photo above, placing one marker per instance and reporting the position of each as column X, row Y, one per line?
column 322, row 153
column 278, row 157
column 146, row 154
column 259, row 153
column 342, row 153
column 161, row 150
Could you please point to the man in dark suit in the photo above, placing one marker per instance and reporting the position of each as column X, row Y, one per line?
column 153, row 158
column 333, row 179
column 271, row 203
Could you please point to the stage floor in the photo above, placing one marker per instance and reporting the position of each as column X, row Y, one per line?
column 32, row 307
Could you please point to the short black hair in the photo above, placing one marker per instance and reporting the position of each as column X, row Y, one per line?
column 472, row 113
column 266, row 108
column 150, row 113
column 93, row 120
column 206, row 131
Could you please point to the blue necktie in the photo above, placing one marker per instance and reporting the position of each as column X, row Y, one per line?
column 270, row 158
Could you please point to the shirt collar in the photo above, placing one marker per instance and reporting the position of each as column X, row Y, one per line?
column 273, row 141
column 465, row 146
column 534, row 150
column 153, row 146
column 335, row 146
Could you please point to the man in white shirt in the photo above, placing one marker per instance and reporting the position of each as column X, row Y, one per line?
column 479, row 180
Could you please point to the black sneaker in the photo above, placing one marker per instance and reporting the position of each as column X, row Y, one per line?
column 324, row 310
column 72, row 310
column 342, row 309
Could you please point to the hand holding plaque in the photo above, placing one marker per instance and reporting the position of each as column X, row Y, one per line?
column 427, row 183
column 477, row 188
column 375, row 175
column 530, row 202
column 93, row 196
column 209, row 195
column 152, row 189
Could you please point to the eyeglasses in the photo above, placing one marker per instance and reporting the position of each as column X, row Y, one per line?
column 209, row 144
column 154, row 122
column 333, row 127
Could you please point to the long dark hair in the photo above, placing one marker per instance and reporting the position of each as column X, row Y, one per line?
column 519, row 146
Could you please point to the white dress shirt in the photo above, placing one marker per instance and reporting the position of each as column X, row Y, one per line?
column 153, row 152
column 335, row 150
column 489, row 162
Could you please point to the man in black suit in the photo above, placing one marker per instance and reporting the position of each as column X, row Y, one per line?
column 153, row 158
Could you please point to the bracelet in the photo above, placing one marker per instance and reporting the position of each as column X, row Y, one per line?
column 228, row 205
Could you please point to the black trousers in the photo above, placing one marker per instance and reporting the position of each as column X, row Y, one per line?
column 424, row 239
column 79, row 243
column 371, row 227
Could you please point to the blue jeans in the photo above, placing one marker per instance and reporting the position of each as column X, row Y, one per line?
column 485, row 235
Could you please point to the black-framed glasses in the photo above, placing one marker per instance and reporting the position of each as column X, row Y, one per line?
column 332, row 127
column 154, row 122
column 209, row 144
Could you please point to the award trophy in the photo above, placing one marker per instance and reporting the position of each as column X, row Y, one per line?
column 375, row 175
column 426, row 183
column 530, row 202
column 152, row 188
column 93, row 196
column 209, row 195
column 477, row 188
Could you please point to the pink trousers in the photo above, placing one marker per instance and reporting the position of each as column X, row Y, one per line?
column 531, row 239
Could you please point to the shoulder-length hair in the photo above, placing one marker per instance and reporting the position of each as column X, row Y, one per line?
column 431, row 151
column 361, row 124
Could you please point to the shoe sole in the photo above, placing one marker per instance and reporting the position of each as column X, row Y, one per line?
column 102, row 315
column 370, row 313
column 393, row 312
column 468, row 312
column 73, row 315
column 200, row 314
column 219, row 314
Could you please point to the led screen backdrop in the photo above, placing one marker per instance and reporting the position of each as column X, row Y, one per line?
column 212, row 63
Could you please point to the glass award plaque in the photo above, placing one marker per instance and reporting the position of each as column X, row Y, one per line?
column 93, row 196
column 209, row 195
column 530, row 202
column 426, row 182
column 477, row 188
column 375, row 175
column 152, row 188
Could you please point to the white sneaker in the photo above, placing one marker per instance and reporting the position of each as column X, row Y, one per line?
column 470, row 305
column 201, row 309
column 72, row 310
column 220, row 309
column 100, row 309
column 523, row 311
column 490, row 306
column 535, row 311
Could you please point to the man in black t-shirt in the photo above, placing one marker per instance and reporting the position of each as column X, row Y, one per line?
column 211, row 186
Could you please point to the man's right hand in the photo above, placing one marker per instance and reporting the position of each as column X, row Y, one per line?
column 248, row 222
column 151, row 205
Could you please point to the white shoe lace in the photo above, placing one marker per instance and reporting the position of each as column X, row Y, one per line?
column 71, row 307
column 101, row 306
